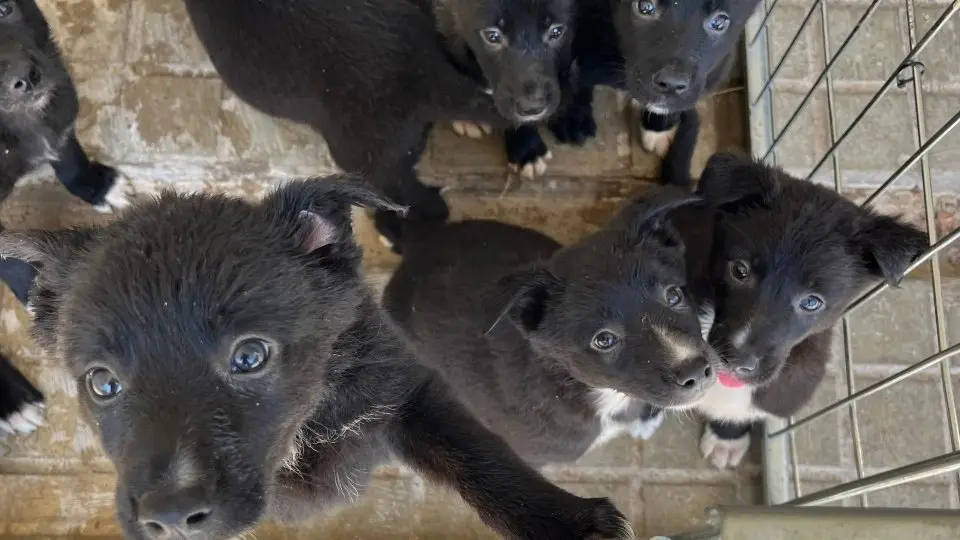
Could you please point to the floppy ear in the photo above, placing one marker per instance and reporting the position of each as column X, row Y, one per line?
column 649, row 210
column 730, row 180
column 45, row 249
column 889, row 247
column 320, row 208
column 528, row 295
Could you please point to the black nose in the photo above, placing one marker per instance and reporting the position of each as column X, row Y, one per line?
column 744, row 364
column 671, row 80
column 22, row 76
column 163, row 515
column 534, row 98
column 693, row 372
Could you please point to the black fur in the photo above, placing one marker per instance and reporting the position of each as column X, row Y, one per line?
column 615, row 45
column 38, row 108
column 372, row 76
column 798, row 242
column 159, row 316
column 508, row 317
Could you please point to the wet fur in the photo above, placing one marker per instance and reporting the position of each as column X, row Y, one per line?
column 373, row 76
column 800, row 238
column 507, row 315
column 161, row 299
column 35, row 130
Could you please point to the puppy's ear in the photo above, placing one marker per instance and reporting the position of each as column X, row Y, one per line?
column 529, row 295
column 320, row 209
column 649, row 210
column 889, row 246
column 46, row 249
column 730, row 181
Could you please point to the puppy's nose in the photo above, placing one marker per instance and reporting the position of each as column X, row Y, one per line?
column 693, row 372
column 164, row 515
column 534, row 98
column 671, row 80
column 744, row 364
column 22, row 76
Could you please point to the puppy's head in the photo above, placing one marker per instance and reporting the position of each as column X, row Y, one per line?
column 675, row 51
column 523, row 48
column 199, row 330
column 789, row 257
column 614, row 310
column 30, row 67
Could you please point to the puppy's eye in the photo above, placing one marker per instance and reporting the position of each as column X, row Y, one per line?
column 555, row 32
column 604, row 341
column 673, row 296
column 739, row 270
column 811, row 303
column 6, row 9
column 103, row 384
column 718, row 22
column 645, row 8
column 492, row 36
column 249, row 356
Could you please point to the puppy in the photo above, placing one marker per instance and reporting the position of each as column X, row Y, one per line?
column 667, row 55
column 237, row 369
column 38, row 109
column 557, row 349
column 777, row 261
column 372, row 76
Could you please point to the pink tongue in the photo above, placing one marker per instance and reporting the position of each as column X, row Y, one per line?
column 728, row 380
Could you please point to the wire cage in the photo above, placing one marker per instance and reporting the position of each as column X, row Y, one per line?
column 863, row 96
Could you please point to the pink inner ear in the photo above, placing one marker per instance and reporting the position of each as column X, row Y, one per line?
column 320, row 232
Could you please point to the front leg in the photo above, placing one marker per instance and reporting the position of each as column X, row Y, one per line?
column 21, row 404
column 725, row 444
column 91, row 181
column 527, row 154
column 442, row 441
column 657, row 131
column 575, row 124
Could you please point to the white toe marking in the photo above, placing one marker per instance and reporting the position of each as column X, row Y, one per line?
column 33, row 412
column 723, row 453
column 644, row 429
column 24, row 421
column 536, row 168
column 116, row 198
column 31, row 308
column 9, row 320
column 385, row 241
column 471, row 130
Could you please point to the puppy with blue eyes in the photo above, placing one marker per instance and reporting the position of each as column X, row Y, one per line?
column 775, row 261
column 556, row 348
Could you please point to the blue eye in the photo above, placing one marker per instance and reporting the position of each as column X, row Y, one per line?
column 249, row 356
column 103, row 384
column 811, row 303
column 719, row 22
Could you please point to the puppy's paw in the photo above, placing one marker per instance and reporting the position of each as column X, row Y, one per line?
column 657, row 142
column 527, row 153
column 21, row 405
column 644, row 429
column 602, row 521
column 118, row 197
column 575, row 126
column 472, row 130
column 723, row 453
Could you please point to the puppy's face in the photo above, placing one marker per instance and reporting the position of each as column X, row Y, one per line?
column 30, row 70
column 200, row 347
column 789, row 258
column 613, row 308
column 524, row 50
column 674, row 51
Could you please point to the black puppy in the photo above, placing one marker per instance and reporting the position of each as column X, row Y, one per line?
column 777, row 260
column 372, row 76
column 237, row 368
column 667, row 55
column 38, row 108
column 557, row 349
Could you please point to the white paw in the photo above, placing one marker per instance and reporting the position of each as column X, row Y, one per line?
column 26, row 420
column 385, row 241
column 472, row 130
column 723, row 453
column 644, row 429
column 31, row 309
column 117, row 198
column 657, row 142
column 533, row 169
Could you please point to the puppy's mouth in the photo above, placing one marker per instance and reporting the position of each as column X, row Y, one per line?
column 729, row 380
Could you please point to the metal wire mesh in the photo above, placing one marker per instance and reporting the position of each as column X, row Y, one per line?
column 804, row 61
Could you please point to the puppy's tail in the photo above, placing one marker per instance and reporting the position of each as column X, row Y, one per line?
column 675, row 169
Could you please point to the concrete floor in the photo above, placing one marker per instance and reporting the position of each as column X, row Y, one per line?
column 152, row 105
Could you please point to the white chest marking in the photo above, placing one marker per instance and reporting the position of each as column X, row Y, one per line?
column 730, row 404
column 610, row 403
